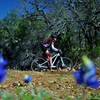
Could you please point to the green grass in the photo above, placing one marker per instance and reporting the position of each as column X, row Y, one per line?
column 41, row 94
column 23, row 94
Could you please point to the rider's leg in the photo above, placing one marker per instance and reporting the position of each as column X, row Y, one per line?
column 49, row 58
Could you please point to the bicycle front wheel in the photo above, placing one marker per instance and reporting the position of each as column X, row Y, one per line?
column 66, row 63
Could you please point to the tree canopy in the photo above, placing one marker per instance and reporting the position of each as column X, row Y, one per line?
column 77, row 21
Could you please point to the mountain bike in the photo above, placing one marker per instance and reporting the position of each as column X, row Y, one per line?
column 40, row 64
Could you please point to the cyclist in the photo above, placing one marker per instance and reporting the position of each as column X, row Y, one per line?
column 48, row 46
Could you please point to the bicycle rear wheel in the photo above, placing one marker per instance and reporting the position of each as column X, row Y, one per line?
column 39, row 64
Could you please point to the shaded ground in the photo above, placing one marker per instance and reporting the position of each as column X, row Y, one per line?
column 60, row 84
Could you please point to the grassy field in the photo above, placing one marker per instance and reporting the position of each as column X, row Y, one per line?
column 55, row 85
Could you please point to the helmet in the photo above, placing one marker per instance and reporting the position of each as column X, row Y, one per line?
column 53, row 36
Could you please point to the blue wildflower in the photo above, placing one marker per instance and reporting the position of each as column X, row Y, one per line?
column 27, row 79
column 79, row 76
column 87, row 74
column 3, row 69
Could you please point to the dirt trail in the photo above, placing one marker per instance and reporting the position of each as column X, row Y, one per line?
column 60, row 84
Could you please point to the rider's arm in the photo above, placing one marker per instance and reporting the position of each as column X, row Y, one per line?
column 53, row 48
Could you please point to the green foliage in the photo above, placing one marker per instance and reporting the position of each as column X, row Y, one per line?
column 7, row 96
column 96, row 51
column 22, row 94
column 78, row 21
column 41, row 94
column 94, row 96
column 39, row 25
column 89, row 97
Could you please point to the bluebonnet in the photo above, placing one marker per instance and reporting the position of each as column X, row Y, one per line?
column 3, row 69
column 86, row 75
column 27, row 79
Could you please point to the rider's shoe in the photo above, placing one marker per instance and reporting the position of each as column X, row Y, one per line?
column 63, row 65
column 53, row 66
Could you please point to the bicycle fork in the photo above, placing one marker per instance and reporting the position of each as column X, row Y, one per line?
column 62, row 62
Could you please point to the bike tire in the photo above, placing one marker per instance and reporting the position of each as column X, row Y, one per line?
column 67, row 63
column 35, row 64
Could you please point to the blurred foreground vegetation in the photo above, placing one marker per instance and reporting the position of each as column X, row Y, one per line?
column 45, row 86
column 23, row 94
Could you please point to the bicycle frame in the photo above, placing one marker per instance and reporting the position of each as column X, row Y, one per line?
column 54, row 57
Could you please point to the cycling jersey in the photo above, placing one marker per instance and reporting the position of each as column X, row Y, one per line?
column 48, row 44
